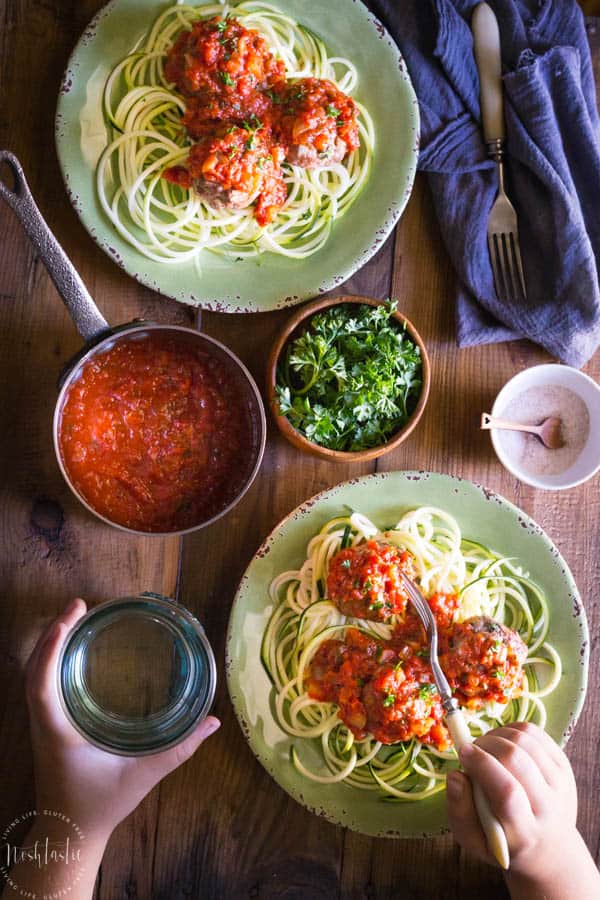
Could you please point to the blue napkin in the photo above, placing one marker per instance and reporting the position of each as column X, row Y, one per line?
column 553, row 163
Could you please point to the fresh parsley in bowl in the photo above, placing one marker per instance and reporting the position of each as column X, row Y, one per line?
column 348, row 378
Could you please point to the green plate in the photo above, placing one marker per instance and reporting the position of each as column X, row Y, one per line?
column 483, row 516
column 267, row 282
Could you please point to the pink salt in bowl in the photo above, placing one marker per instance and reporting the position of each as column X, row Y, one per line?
column 532, row 396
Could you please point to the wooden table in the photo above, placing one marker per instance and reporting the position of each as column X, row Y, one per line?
column 220, row 827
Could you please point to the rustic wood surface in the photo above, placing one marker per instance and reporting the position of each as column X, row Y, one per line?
column 220, row 827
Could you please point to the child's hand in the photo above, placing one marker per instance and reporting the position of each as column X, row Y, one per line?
column 96, row 788
column 531, row 789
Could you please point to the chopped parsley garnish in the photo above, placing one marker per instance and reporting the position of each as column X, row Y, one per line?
column 368, row 585
column 497, row 673
column 376, row 606
column 426, row 691
column 352, row 379
column 389, row 700
column 226, row 78
column 346, row 563
column 333, row 112
column 250, row 143
column 222, row 25
column 398, row 666
column 423, row 653
column 253, row 123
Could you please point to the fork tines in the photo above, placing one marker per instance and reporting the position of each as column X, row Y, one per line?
column 505, row 257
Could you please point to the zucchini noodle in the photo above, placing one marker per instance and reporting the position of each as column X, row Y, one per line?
column 170, row 224
column 487, row 584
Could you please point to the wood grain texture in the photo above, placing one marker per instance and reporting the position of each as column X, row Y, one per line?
column 51, row 549
column 220, row 827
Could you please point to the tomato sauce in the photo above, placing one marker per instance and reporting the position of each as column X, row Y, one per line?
column 236, row 166
column 365, row 582
column 314, row 114
column 340, row 669
column 483, row 661
column 247, row 118
column 152, row 432
column 402, row 703
column 379, row 691
column 225, row 69
column 386, row 688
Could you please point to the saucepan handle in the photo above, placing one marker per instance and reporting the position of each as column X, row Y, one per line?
column 88, row 320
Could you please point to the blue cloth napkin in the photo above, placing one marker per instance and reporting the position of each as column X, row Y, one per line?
column 553, row 163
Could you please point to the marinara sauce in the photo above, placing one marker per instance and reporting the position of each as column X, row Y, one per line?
column 365, row 581
column 385, row 687
column 378, row 690
column 246, row 118
column 483, row 661
column 152, row 433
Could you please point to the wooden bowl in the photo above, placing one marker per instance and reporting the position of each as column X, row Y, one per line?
column 295, row 437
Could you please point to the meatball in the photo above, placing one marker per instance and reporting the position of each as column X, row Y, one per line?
column 483, row 661
column 221, row 197
column 222, row 68
column 315, row 122
column 308, row 157
column 402, row 703
column 378, row 693
column 338, row 671
column 365, row 582
column 234, row 167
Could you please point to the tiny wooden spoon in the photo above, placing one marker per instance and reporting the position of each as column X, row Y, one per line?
column 549, row 432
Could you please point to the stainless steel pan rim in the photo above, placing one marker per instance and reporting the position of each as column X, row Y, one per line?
column 126, row 333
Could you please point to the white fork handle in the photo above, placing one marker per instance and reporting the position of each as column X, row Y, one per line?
column 493, row 830
column 486, row 38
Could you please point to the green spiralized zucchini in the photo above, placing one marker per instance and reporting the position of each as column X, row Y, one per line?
column 487, row 584
column 170, row 224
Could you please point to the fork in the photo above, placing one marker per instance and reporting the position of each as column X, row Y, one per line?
column 502, row 229
column 496, row 838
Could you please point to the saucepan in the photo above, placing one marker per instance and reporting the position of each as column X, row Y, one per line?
column 134, row 384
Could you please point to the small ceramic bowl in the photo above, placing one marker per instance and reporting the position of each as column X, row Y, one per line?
column 292, row 327
column 587, row 462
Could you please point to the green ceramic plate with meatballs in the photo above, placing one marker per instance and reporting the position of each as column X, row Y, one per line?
column 483, row 517
column 230, row 281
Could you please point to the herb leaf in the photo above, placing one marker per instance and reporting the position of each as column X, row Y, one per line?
column 352, row 379
column 426, row 691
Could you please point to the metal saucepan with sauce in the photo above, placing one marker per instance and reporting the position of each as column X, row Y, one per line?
column 158, row 429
